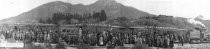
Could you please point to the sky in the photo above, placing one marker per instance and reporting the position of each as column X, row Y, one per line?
column 178, row 8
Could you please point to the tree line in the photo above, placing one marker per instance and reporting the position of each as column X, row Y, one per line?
column 101, row 16
column 72, row 18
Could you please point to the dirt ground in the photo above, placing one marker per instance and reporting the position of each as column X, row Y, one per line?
column 176, row 46
column 193, row 46
column 190, row 46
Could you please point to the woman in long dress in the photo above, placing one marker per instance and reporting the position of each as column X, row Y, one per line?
column 2, row 38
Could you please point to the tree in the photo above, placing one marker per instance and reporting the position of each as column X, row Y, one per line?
column 122, row 19
column 49, row 20
column 96, row 15
column 103, row 16
column 100, row 16
column 57, row 17
column 166, row 19
column 148, row 22
column 91, row 20
column 74, row 21
column 41, row 21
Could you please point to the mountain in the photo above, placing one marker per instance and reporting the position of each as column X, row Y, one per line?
column 112, row 8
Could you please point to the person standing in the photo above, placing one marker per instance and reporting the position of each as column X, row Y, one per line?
column 171, row 43
column 181, row 40
column 101, row 41
column 2, row 38
column 165, row 42
column 158, row 41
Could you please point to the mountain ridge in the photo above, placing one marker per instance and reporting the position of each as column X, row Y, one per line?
column 113, row 10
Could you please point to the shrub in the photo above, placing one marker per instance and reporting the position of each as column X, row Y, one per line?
column 38, row 47
column 48, row 46
column 141, row 46
column 60, row 46
column 31, row 46
column 84, row 46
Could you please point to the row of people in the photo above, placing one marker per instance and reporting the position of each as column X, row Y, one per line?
column 100, row 38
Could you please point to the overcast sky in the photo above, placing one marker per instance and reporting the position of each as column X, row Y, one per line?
column 180, row 8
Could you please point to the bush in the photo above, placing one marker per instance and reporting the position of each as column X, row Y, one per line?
column 31, row 46
column 27, row 41
column 38, row 47
column 60, row 46
column 84, row 46
column 141, row 46
column 48, row 46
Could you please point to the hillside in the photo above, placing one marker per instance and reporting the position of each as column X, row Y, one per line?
column 45, row 11
column 102, row 11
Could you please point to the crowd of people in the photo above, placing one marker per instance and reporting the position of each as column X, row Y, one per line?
column 107, row 38
column 92, row 38
column 35, row 34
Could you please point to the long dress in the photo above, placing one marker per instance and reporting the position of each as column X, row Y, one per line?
column 2, row 38
column 101, row 41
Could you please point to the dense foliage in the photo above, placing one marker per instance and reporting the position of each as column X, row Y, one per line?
column 69, row 18
column 101, row 18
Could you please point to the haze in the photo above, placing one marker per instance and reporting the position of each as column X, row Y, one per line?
column 178, row 8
